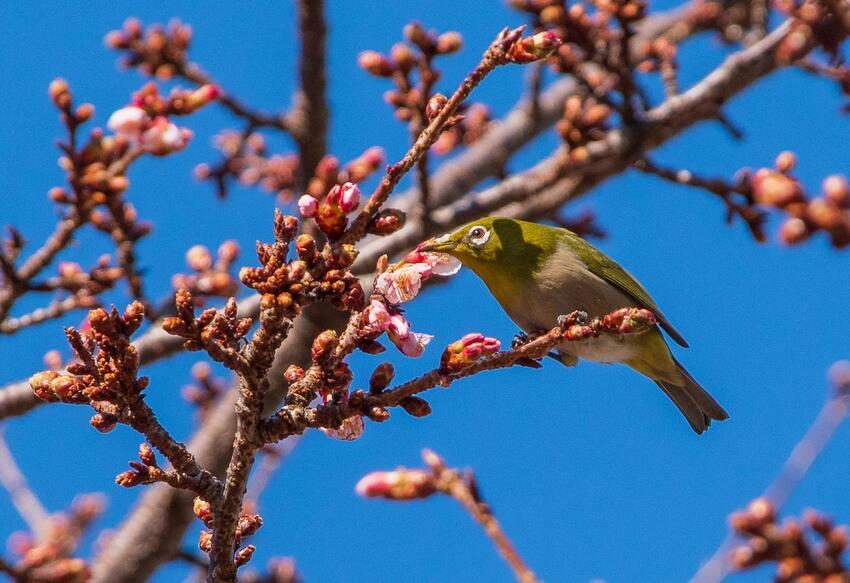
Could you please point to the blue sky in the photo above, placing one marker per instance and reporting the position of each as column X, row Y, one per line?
column 592, row 471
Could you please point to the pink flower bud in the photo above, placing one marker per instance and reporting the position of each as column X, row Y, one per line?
column 204, row 95
column 307, row 206
column 128, row 121
column 375, row 63
column 464, row 352
column 402, row 484
column 349, row 197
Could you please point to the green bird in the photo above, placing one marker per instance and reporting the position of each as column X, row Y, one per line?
column 538, row 273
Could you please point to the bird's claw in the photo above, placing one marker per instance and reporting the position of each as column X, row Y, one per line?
column 576, row 317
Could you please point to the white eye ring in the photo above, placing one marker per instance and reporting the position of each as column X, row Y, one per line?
column 478, row 235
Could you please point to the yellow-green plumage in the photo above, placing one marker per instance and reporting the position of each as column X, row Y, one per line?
column 538, row 273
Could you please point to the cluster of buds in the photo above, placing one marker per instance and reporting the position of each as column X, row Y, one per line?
column 281, row 283
column 51, row 559
column 246, row 158
column 403, row 58
column 331, row 212
column 209, row 278
column 622, row 10
column 158, row 51
column 584, row 121
column 623, row 322
column 776, row 188
column 145, row 121
column 813, row 24
column 413, row 98
column 467, row 351
column 71, row 277
column 329, row 172
column 204, row 390
column 144, row 471
column 217, row 332
column 104, row 374
column 247, row 525
column 474, row 123
column 797, row 558
column 88, row 167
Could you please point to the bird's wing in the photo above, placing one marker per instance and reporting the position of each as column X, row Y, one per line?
column 606, row 268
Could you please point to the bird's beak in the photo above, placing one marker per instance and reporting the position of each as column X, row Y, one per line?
column 439, row 245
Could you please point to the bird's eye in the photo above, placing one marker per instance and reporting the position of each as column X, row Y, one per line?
column 478, row 235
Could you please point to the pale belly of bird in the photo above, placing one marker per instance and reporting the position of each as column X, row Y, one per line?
column 579, row 290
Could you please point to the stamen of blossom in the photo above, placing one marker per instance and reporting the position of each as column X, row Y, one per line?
column 402, row 282
column 401, row 484
column 464, row 352
column 307, row 206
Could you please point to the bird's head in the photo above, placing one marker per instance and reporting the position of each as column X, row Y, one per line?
column 495, row 245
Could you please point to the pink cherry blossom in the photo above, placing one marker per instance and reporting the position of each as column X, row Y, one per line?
column 164, row 137
column 378, row 316
column 128, row 121
column 308, row 206
column 403, row 283
column 351, row 429
column 408, row 342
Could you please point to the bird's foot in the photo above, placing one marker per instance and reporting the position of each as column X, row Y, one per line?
column 577, row 317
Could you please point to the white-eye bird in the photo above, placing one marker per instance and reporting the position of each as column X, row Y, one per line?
column 538, row 273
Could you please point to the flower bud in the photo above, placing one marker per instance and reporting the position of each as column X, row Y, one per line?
column 203, row 510
column 375, row 63
column 793, row 231
column 103, row 422
column 435, row 105
column 324, row 344
column 416, row 407
column 837, row 191
column 386, row 222
column 775, row 189
column 449, row 42
column 198, row 258
column 401, row 484
column 60, row 93
column 381, row 377
column 534, row 48
column 785, row 162
column 307, row 206
column 402, row 56
column 305, row 247
column 293, row 373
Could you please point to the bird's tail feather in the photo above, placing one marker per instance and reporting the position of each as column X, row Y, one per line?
column 698, row 407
